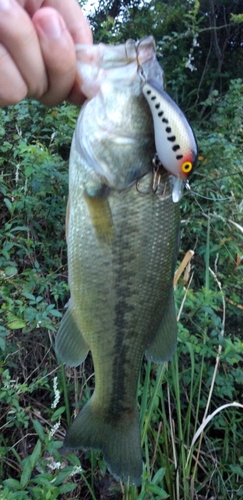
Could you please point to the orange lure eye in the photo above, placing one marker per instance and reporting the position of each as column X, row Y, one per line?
column 186, row 167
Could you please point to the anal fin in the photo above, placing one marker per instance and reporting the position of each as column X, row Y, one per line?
column 164, row 343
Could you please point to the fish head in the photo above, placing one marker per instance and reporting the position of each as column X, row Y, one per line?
column 114, row 134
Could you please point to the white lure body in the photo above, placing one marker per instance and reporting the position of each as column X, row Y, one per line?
column 174, row 139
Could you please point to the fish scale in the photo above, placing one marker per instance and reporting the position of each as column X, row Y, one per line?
column 122, row 248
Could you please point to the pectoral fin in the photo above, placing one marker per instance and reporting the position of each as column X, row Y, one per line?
column 100, row 213
column 70, row 345
column 163, row 345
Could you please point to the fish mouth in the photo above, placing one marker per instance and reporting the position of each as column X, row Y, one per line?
column 99, row 63
column 117, row 55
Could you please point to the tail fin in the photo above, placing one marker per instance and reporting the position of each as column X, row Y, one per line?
column 119, row 440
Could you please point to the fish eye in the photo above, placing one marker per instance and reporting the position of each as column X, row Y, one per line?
column 186, row 167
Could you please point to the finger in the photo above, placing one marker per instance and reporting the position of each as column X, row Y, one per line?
column 80, row 31
column 10, row 93
column 76, row 22
column 72, row 14
column 58, row 53
column 20, row 48
column 75, row 96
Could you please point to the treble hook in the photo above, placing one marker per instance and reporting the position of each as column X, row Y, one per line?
column 156, row 180
column 139, row 191
column 157, row 165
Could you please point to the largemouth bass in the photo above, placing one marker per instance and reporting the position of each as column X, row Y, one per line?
column 122, row 235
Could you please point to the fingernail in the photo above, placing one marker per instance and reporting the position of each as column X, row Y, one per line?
column 50, row 25
column 4, row 4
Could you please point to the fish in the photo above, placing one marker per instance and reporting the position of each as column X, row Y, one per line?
column 123, row 231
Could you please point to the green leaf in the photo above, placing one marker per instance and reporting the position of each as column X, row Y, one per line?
column 42, row 479
column 157, row 490
column 20, row 228
column 56, row 313
column 2, row 344
column 39, row 429
column 38, row 299
column 36, row 454
column 58, row 412
column 28, row 296
column 10, row 271
column 237, row 470
column 66, row 488
column 20, row 495
column 63, row 475
column 29, row 464
column 159, row 476
column 9, row 205
column 26, row 472
column 13, row 484
column 3, row 331
column 2, row 131
column 16, row 323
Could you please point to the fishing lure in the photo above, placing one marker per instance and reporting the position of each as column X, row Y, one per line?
column 174, row 138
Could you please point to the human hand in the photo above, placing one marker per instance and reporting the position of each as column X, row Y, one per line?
column 37, row 53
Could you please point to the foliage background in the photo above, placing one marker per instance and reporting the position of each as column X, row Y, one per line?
column 200, row 48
